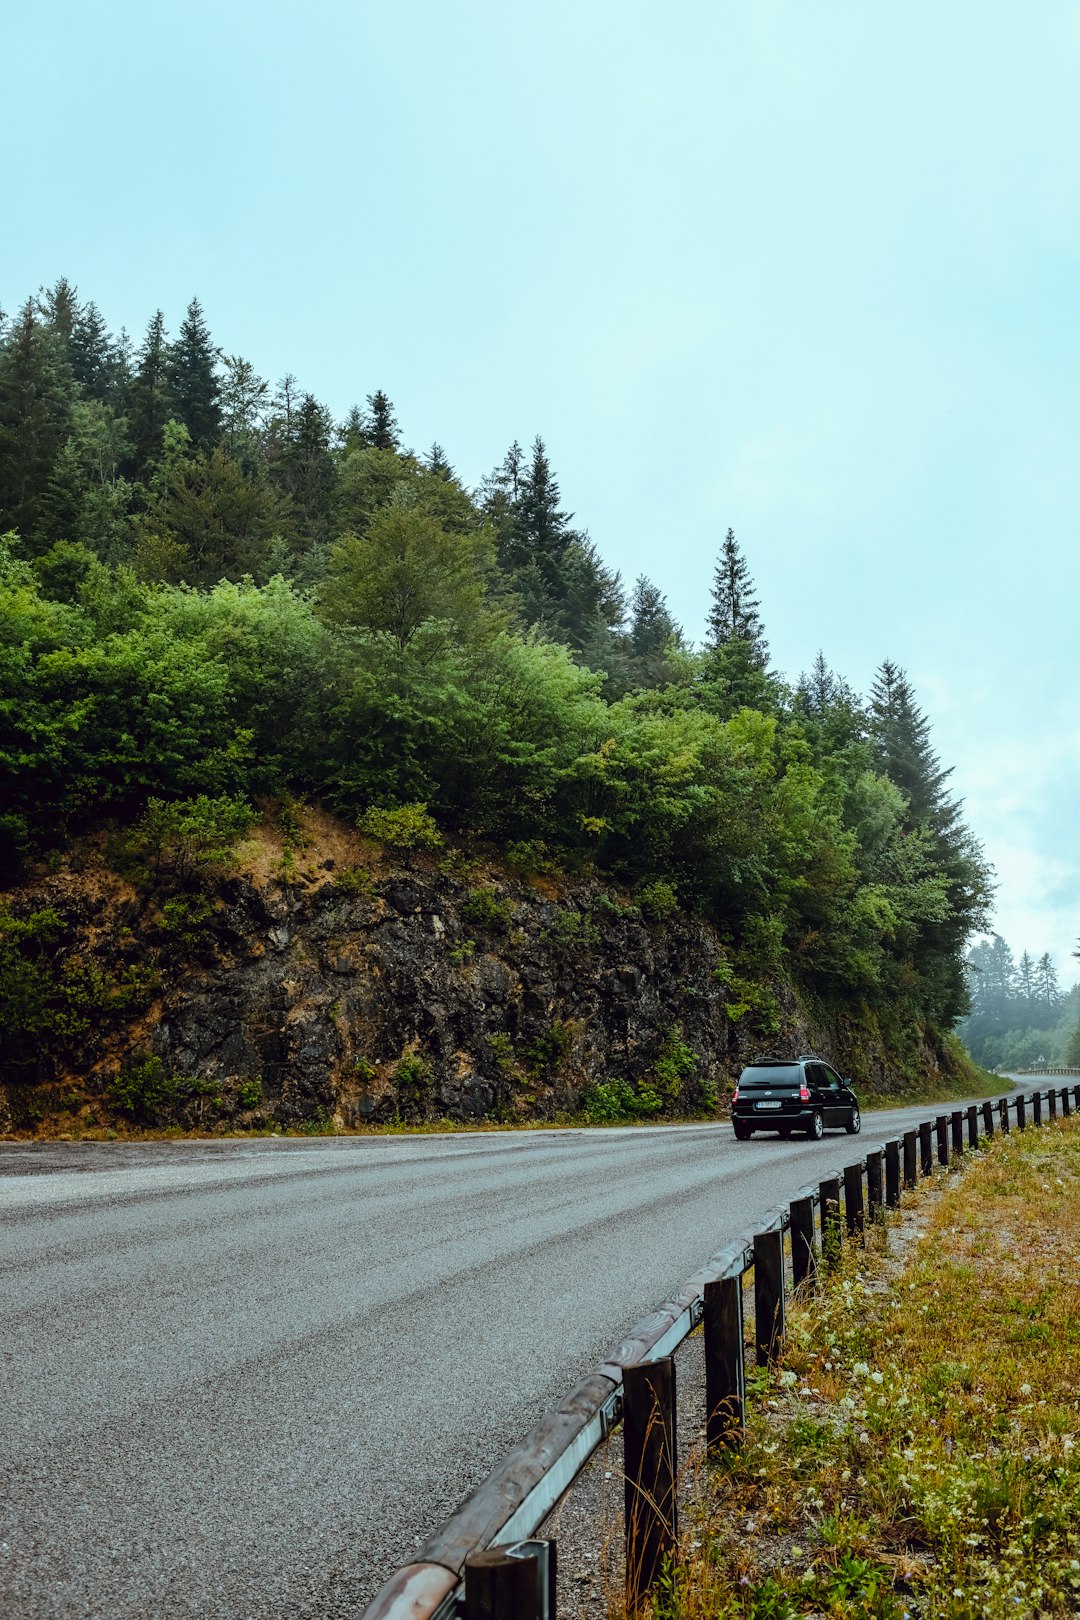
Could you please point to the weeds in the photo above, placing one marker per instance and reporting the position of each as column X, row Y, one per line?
column 916, row 1454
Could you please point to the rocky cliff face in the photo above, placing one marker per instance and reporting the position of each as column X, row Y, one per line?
column 357, row 986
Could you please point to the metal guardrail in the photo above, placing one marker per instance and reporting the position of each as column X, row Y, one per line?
column 483, row 1563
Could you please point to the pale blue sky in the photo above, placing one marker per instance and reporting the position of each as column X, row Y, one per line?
column 810, row 271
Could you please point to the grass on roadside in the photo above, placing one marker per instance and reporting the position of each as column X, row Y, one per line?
column 917, row 1452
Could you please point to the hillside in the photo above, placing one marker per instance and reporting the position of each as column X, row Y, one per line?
column 326, row 981
column 214, row 597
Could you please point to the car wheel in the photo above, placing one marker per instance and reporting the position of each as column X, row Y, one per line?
column 742, row 1132
column 816, row 1128
column 854, row 1124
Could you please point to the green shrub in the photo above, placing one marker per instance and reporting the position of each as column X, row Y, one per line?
column 145, row 1091
column 676, row 1063
column 408, row 826
column 484, row 908
column 413, row 1072
column 529, row 858
column 502, row 1049
column 611, row 1101
column 50, row 998
column 574, row 931
column 189, row 918
column 249, row 1093
column 355, row 881
column 187, row 836
column 658, row 900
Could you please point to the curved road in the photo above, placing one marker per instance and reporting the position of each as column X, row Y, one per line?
column 244, row 1379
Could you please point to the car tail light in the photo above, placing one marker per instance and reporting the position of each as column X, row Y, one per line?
column 735, row 1095
column 804, row 1095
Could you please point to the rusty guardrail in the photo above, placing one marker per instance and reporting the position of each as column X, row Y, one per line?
column 484, row 1563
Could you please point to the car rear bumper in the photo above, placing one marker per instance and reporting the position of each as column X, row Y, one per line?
column 771, row 1119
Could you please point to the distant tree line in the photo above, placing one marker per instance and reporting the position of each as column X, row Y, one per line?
column 1019, row 1014
column 211, row 588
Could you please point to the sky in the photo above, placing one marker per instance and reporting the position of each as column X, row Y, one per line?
column 807, row 271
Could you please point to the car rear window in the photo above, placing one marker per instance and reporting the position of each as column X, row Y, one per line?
column 770, row 1074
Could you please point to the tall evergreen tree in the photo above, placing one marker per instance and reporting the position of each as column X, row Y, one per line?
column 901, row 736
column 193, row 376
column 1025, row 976
column 307, row 468
column 734, row 614
column 382, row 429
column 151, row 394
column 1047, row 987
column 37, row 393
column 435, row 461
column 244, row 399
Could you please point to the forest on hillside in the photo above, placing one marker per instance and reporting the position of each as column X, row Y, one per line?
column 213, row 592
column 1020, row 1016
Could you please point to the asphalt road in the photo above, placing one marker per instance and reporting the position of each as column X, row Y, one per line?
column 245, row 1379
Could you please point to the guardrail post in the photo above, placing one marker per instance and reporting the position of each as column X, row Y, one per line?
column 926, row 1152
column 829, row 1202
column 911, row 1158
column 1066, row 1108
column 650, row 1463
column 725, row 1364
column 892, row 1172
column 803, row 1257
column 941, row 1125
column 1036, row 1107
column 768, row 1294
column 1051, row 1098
column 988, row 1119
column 873, row 1182
column 511, row 1583
column 1021, row 1112
column 853, row 1199
column 973, row 1126
column 957, row 1132
column 1076, row 1096
column 1003, row 1115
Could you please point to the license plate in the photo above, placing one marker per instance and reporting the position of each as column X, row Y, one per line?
column 769, row 1105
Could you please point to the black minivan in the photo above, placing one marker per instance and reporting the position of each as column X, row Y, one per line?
column 785, row 1095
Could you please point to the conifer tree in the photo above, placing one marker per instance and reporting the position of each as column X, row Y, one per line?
column 1025, row 976
column 1047, row 987
column 901, row 736
column 435, row 461
column 244, row 398
column 382, row 429
column 734, row 614
column 192, row 371
column 151, row 394
column 37, row 393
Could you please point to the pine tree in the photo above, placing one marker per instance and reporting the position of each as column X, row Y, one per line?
column 192, row 371
column 435, row 461
column 651, row 624
column 59, row 308
column 901, row 736
column 1047, row 987
column 37, row 393
column 92, row 353
column 151, row 394
column 353, row 432
column 382, row 428
column 1025, row 976
column 307, row 469
column 734, row 613
column 244, row 398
